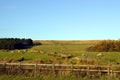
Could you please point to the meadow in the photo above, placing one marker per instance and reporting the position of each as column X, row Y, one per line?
column 62, row 52
column 57, row 52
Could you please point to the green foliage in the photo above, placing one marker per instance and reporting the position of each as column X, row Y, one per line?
column 105, row 46
column 14, row 43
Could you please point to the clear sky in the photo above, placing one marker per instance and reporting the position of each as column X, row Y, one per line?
column 60, row 19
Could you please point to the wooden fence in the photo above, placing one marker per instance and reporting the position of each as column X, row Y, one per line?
column 59, row 69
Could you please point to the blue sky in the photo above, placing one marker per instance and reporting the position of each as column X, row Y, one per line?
column 60, row 19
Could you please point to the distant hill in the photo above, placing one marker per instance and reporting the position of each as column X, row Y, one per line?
column 71, row 42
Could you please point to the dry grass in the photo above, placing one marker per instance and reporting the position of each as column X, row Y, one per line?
column 66, row 42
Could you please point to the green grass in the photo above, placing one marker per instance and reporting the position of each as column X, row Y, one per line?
column 75, row 50
column 61, row 48
column 29, row 57
column 51, row 77
column 78, row 50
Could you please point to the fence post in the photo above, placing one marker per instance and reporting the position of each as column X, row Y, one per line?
column 19, row 68
column 35, row 73
column 100, row 72
column 20, row 65
column 4, row 68
column 108, row 70
column 53, row 69
column 88, row 69
column 71, row 69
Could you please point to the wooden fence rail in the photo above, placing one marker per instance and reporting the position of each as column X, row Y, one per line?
column 59, row 69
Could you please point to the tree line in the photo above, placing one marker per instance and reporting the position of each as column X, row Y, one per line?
column 15, row 43
column 105, row 46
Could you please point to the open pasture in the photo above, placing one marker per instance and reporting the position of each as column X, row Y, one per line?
column 61, row 52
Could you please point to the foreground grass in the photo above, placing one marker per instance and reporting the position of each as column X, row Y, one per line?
column 50, row 77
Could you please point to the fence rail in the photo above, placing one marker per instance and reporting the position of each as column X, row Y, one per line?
column 59, row 69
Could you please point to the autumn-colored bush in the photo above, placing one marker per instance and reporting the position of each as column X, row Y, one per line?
column 39, row 61
column 105, row 46
column 21, row 59
column 8, row 60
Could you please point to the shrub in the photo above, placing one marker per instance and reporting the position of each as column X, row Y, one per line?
column 105, row 46
column 20, row 59
column 39, row 61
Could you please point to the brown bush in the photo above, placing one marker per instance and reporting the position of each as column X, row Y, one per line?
column 20, row 59
column 105, row 46
column 8, row 60
column 39, row 61
column 50, row 61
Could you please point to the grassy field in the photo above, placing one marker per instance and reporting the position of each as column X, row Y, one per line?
column 56, row 52
column 51, row 52
column 67, row 42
